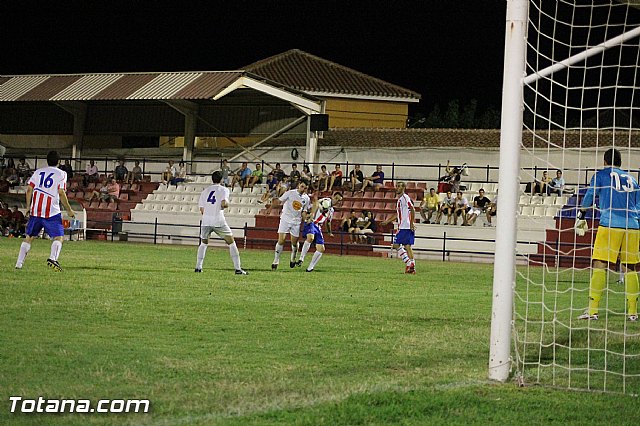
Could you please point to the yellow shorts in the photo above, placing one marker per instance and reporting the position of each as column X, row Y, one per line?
column 613, row 241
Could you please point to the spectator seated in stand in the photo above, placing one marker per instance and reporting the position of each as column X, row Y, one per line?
column 242, row 175
column 108, row 193
column 448, row 207
column 24, row 170
column 492, row 210
column 356, row 177
column 66, row 167
column 366, row 225
column 322, row 179
column 121, row 171
column 256, row 176
column 91, row 173
column 429, row 205
column 376, row 181
column 349, row 225
column 272, row 189
column 557, row 184
column 5, row 218
column 4, row 184
column 480, row 205
column 306, row 173
column 540, row 186
column 135, row 175
column 294, row 176
column 180, row 176
column 169, row 173
column 335, row 178
column 461, row 209
column 17, row 224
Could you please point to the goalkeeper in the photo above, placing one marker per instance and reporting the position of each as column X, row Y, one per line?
column 618, row 201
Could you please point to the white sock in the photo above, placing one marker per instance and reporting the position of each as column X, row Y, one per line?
column 202, row 251
column 56, row 247
column 305, row 249
column 315, row 259
column 402, row 254
column 294, row 251
column 412, row 263
column 279, row 248
column 24, row 249
column 235, row 255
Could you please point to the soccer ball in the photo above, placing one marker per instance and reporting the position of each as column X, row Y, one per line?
column 325, row 203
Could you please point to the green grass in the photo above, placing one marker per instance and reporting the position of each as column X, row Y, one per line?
column 357, row 342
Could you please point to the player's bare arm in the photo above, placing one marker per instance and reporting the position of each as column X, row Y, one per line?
column 65, row 202
column 412, row 216
column 29, row 194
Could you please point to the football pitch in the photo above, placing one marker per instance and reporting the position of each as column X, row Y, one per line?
column 356, row 342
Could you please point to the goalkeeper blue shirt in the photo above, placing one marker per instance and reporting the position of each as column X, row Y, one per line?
column 617, row 193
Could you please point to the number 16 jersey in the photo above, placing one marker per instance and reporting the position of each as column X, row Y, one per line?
column 618, row 197
column 45, row 201
column 211, row 201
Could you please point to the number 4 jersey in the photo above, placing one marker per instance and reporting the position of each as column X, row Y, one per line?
column 618, row 197
column 211, row 201
column 45, row 201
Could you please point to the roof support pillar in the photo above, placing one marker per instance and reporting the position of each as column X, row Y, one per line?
column 79, row 112
column 190, row 112
column 312, row 145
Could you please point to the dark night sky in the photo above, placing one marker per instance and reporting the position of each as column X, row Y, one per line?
column 443, row 49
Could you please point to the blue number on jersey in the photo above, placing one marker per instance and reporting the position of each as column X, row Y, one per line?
column 212, row 197
column 46, row 182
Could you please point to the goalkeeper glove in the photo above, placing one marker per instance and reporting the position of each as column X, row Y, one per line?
column 581, row 224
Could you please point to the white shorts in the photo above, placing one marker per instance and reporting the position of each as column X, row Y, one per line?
column 292, row 228
column 477, row 212
column 221, row 231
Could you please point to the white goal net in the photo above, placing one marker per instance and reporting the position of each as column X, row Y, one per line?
column 581, row 97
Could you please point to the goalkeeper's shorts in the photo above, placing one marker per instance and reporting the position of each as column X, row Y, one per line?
column 611, row 242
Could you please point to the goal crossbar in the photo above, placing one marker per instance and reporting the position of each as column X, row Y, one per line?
column 579, row 57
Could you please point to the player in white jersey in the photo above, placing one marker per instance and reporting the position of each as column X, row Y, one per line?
column 213, row 200
column 47, row 188
column 405, row 236
column 294, row 210
column 322, row 214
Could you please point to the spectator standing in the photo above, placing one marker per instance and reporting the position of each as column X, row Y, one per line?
column 430, row 204
column 67, row 168
column 557, row 184
column 121, row 171
column 213, row 200
column 135, row 175
column 376, row 181
column 356, row 177
column 45, row 191
column 480, row 205
column 226, row 171
column 336, row 178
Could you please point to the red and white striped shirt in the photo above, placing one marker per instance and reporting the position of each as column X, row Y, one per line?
column 403, row 210
column 321, row 217
column 45, row 201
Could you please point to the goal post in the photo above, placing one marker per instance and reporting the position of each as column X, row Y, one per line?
column 571, row 91
column 510, row 141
